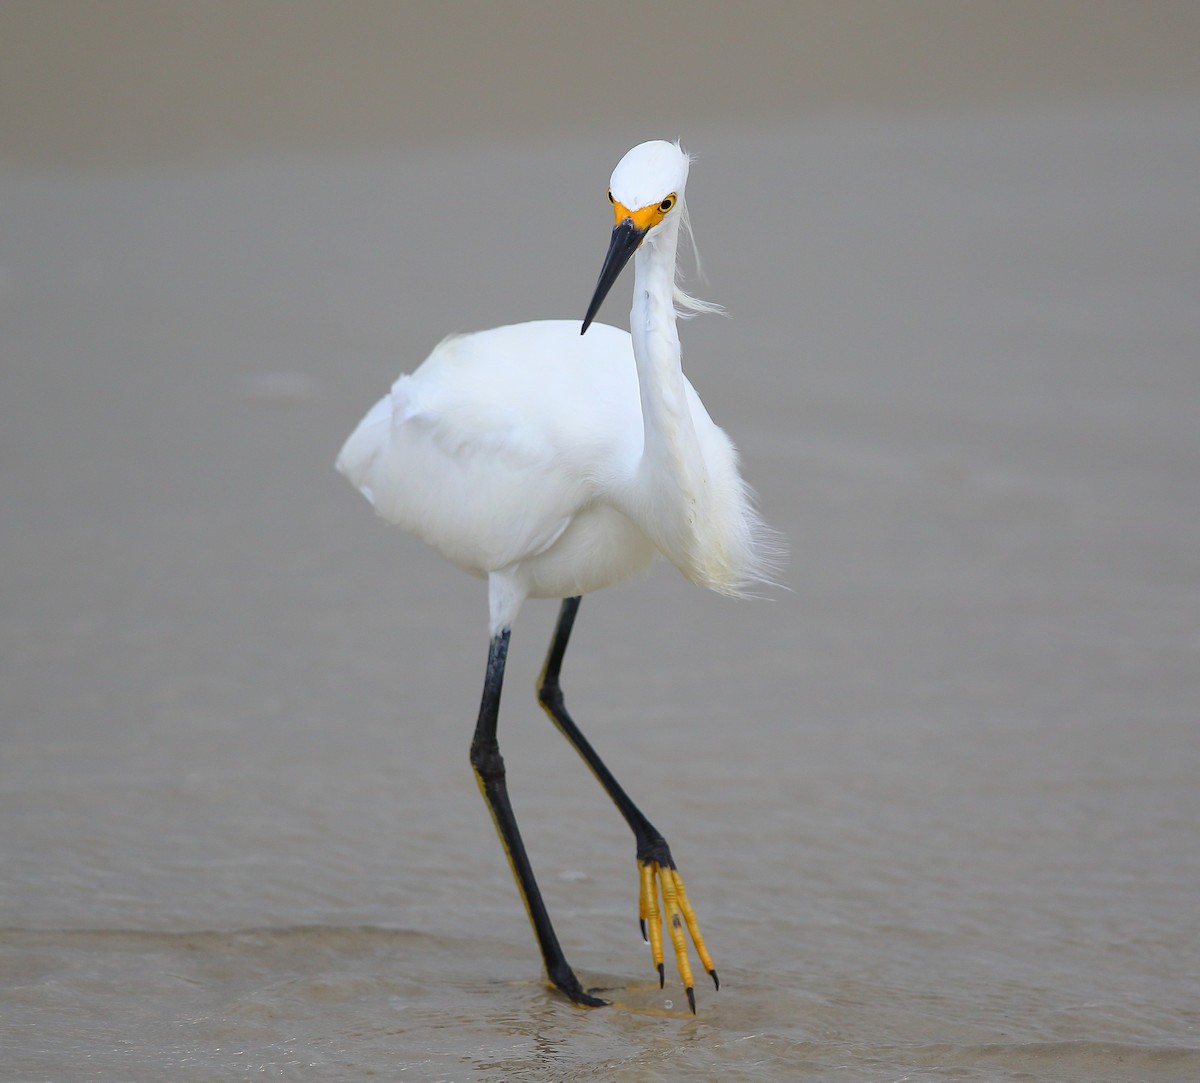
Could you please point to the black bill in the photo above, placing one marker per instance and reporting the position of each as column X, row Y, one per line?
column 625, row 240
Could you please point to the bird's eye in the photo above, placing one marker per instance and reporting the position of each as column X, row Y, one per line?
column 610, row 198
column 667, row 204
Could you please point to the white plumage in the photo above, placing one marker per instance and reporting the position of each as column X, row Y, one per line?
column 524, row 453
column 554, row 463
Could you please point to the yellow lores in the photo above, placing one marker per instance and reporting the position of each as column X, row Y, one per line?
column 646, row 218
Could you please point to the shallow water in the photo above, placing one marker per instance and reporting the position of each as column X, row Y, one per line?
column 936, row 807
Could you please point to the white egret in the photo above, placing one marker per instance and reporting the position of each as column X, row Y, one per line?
column 554, row 462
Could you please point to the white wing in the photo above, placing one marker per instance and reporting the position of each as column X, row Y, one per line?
column 490, row 448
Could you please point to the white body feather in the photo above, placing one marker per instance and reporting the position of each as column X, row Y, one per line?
column 517, row 451
column 555, row 463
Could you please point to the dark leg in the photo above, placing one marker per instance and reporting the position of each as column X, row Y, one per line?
column 651, row 846
column 489, row 773
column 653, row 854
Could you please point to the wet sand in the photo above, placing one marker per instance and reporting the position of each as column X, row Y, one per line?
column 936, row 805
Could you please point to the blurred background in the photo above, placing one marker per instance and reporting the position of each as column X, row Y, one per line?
column 936, row 803
column 120, row 82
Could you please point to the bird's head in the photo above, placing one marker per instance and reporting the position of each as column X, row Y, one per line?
column 646, row 191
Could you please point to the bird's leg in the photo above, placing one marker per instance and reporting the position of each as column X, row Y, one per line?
column 656, row 866
column 489, row 773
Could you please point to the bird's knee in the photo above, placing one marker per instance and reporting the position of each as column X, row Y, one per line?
column 487, row 761
column 550, row 695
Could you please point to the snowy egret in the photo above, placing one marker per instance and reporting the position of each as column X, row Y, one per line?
column 554, row 462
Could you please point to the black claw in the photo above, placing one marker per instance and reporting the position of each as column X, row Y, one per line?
column 586, row 1000
column 691, row 995
column 662, row 977
column 716, row 981
column 569, row 985
column 642, row 924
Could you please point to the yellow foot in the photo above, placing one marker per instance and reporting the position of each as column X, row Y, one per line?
column 678, row 912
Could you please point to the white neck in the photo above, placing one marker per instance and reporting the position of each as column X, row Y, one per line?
column 671, row 483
